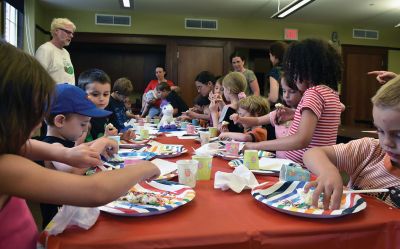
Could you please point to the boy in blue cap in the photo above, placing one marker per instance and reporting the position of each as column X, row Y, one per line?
column 67, row 121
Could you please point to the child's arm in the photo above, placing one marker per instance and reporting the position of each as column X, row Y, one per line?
column 79, row 156
column 51, row 186
column 241, row 137
column 321, row 161
column 214, row 113
column 297, row 141
column 250, row 121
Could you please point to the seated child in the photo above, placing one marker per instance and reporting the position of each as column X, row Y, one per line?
column 370, row 163
column 69, row 118
column 121, row 90
column 234, row 85
column 291, row 97
column 97, row 85
column 165, row 93
column 252, row 106
column 148, row 98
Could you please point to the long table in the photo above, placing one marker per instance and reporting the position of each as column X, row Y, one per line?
column 224, row 219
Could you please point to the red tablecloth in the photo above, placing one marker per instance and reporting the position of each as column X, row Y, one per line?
column 218, row 219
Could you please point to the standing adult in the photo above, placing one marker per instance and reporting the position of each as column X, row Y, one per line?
column 273, row 89
column 154, row 103
column 52, row 54
column 252, row 83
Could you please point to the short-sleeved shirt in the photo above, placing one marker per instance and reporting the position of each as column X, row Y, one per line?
column 152, row 86
column 281, row 130
column 57, row 63
column 257, row 134
column 275, row 73
column 250, row 77
column 177, row 102
column 325, row 104
column 96, row 128
column 118, row 116
column 369, row 167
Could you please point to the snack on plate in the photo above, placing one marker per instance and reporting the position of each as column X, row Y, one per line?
column 279, row 106
column 149, row 198
column 304, row 200
column 224, row 123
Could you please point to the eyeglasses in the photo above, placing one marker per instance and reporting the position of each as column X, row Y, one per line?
column 67, row 31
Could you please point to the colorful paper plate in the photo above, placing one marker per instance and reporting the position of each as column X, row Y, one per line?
column 167, row 150
column 183, row 194
column 281, row 195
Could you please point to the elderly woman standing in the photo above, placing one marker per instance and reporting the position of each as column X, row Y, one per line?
column 52, row 54
column 238, row 66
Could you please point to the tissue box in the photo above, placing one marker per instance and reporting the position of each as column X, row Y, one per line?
column 293, row 172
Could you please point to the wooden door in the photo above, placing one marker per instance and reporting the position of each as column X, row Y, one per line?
column 191, row 61
column 358, row 87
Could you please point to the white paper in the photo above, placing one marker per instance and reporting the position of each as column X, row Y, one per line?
column 165, row 167
column 275, row 164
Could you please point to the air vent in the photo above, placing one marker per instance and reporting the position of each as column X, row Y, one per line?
column 366, row 34
column 114, row 20
column 191, row 23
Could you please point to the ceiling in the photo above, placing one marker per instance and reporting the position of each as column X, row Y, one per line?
column 364, row 13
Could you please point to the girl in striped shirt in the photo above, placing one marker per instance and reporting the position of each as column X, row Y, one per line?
column 370, row 163
column 315, row 67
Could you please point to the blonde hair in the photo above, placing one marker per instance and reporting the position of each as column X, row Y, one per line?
column 388, row 95
column 235, row 81
column 255, row 105
column 61, row 23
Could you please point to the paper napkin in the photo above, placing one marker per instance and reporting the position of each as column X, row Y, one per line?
column 241, row 178
column 165, row 166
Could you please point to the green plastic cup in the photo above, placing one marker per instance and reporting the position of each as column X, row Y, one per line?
column 204, row 167
column 250, row 159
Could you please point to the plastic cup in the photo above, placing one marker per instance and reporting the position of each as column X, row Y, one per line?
column 116, row 138
column 144, row 133
column 213, row 131
column 156, row 120
column 250, row 159
column 190, row 129
column 204, row 137
column 187, row 171
column 204, row 166
column 232, row 148
column 195, row 122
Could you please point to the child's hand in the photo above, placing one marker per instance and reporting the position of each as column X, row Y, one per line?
column 128, row 135
column 105, row 146
column 234, row 117
column 331, row 185
column 152, row 171
column 284, row 114
column 250, row 146
column 110, row 130
column 224, row 136
column 213, row 106
column 81, row 156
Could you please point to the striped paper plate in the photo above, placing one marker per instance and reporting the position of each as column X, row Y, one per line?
column 277, row 195
column 167, row 150
column 183, row 194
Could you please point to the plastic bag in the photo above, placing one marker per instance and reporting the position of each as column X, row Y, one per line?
column 69, row 216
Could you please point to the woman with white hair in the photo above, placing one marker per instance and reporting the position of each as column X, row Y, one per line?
column 52, row 55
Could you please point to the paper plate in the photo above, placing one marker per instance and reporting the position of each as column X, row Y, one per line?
column 167, row 150
column 226, row 156
column 268, row 166
column 278, row 195
column 182, row 195
column 133, row 144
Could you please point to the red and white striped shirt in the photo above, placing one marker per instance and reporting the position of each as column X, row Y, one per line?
column 325, row 104
column 369, row 167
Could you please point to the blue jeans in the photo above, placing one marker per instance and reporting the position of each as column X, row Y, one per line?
column 154, row 111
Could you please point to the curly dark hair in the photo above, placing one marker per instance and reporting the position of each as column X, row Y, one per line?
column 313, row 60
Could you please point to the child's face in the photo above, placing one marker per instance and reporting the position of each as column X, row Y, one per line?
column 243, row 113
column 290, row 96
column 237, row 64
column 74, row 126
column 218, row 88
column 162, row 94
column 99, row 94
column 387, row 122
column 203, row 89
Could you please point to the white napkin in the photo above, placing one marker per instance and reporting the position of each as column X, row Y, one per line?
column 241, row 178
column 207, row 149
column 165, row 166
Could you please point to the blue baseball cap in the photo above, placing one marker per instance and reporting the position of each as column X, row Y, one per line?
column 71, row 99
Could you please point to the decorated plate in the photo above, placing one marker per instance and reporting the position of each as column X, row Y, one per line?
column 167, row 150
column 227, row 156
column 133, row 144
column 286, row 197
column 268, row 166
column 152, row 198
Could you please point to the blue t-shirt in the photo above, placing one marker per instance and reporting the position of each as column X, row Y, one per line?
column 118, row 116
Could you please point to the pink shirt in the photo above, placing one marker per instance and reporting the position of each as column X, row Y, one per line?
column 368, row 166
column 281, row 130
column 325, row 104
column 17, row 227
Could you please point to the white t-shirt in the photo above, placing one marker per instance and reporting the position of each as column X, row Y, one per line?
column 57, row 63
